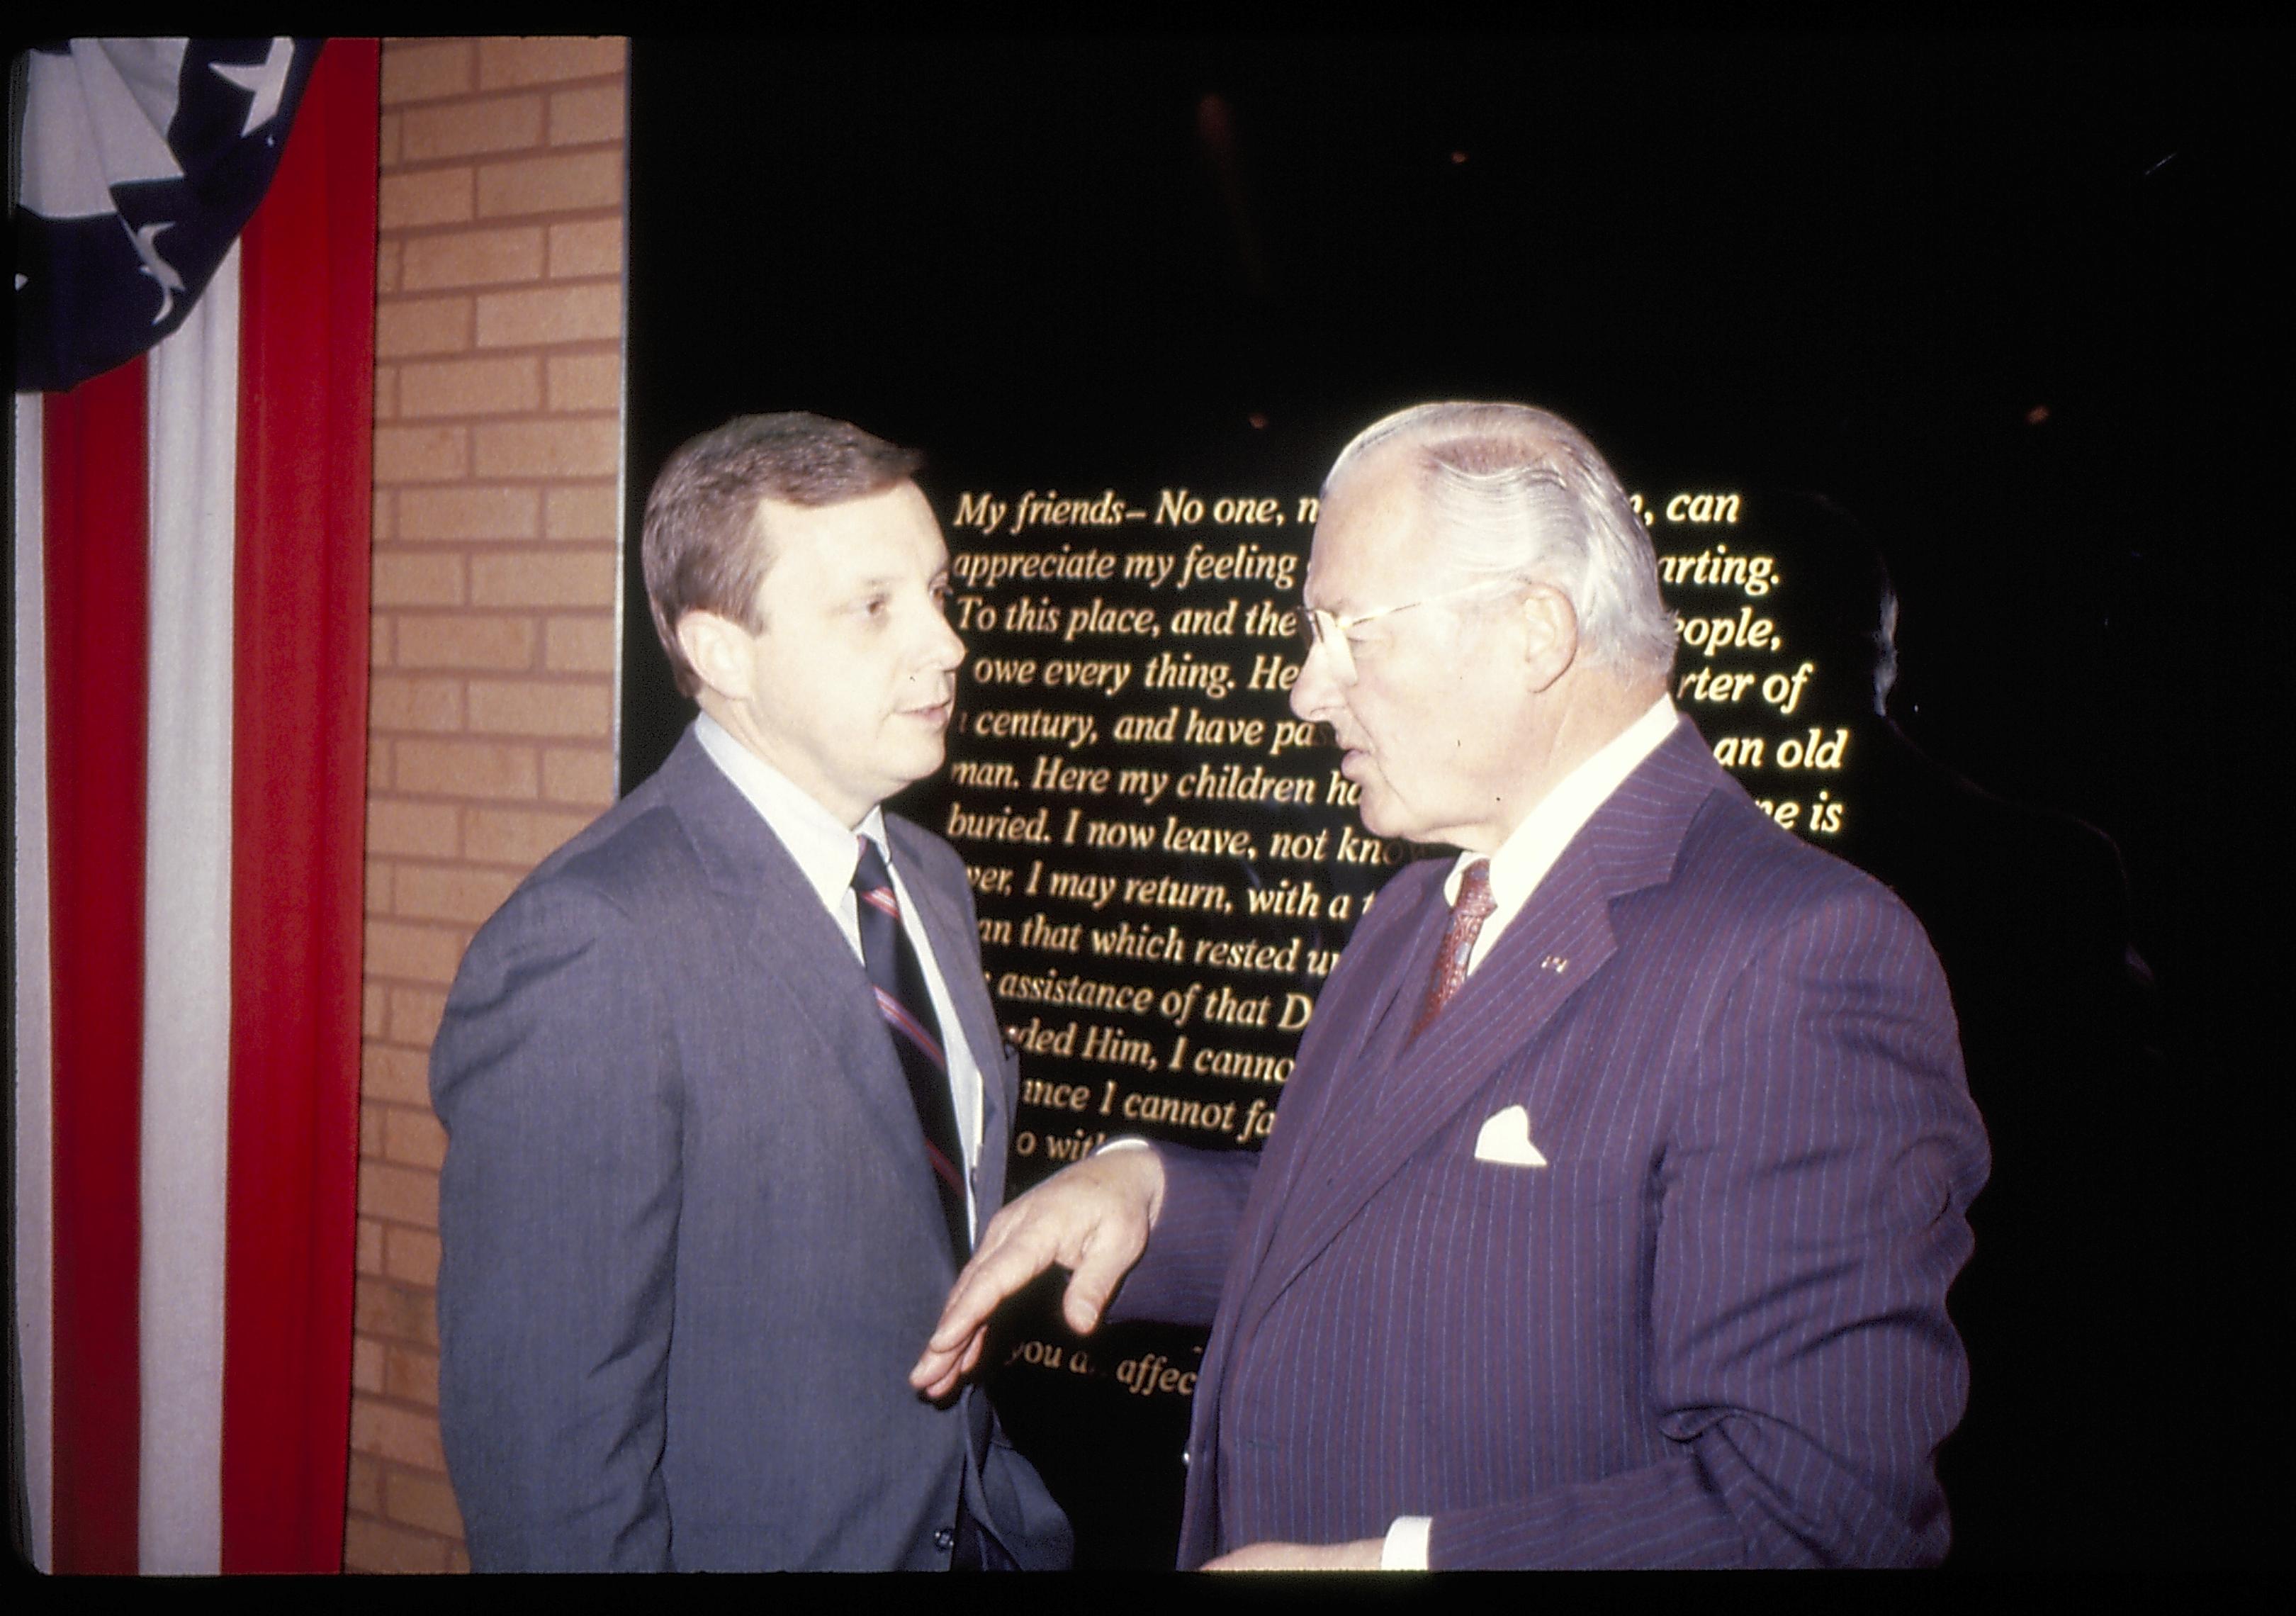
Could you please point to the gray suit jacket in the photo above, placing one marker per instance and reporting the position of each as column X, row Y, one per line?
column 690, row 1241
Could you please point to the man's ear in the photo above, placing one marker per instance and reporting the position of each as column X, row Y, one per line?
column 1550, row 641
column 719, row 649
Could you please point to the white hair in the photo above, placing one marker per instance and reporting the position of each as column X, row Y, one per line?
column 1520, row 493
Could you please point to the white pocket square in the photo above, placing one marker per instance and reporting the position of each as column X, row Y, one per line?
column 1505, row 1139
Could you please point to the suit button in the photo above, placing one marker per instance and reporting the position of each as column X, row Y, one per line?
column 945, row 1540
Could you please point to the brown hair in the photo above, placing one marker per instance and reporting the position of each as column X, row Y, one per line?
column 704, row 549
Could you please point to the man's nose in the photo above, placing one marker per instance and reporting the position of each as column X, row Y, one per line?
column 944, row 651
column 1315, row 692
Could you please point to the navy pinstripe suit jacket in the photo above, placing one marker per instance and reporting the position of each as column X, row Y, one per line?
column 1710, row 1330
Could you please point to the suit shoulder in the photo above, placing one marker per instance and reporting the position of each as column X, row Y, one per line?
column 920, row 849
column 1738, row 860
column 634, row 865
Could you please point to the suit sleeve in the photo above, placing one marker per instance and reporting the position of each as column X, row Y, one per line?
column 1177, row 1279
column 555, row 1073
column 1812, row 1193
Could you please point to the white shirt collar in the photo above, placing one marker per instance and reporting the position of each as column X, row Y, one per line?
column 1523, row 859
column 825, row 851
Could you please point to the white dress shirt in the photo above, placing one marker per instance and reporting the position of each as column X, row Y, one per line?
column 1522, row 860
column 1518, row 865
column 827, row 854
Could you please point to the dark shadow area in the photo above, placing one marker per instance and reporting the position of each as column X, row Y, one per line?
column 2002, row 295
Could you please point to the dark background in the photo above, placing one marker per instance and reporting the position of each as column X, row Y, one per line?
column 2006, row 297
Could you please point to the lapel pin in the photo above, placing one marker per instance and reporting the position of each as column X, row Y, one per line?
column 1555, row 963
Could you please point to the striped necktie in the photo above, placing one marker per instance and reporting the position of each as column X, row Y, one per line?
column 903, row 1000
column 1468, row 914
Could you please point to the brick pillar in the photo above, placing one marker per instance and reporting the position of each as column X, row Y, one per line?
column 497, row 443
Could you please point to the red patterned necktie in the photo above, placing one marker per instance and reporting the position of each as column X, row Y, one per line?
column 1468, row 914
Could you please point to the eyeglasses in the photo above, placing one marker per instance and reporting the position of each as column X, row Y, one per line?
column 1329, row 630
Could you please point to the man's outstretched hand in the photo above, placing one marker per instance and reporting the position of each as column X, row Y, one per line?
column 1092, row 1218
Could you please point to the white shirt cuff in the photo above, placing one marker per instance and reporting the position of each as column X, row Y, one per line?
column 1406, row 1547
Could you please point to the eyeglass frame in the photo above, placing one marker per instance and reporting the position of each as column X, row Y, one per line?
column 1329, row 629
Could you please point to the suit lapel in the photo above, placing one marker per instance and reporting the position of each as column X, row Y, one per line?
column 1396, row 1099
column 1383, row 1105
column 787, row 939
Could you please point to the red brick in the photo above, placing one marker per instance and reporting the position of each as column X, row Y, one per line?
column 395, row 1313
column 378, row 1547
column 587, row 312
column 374, row 1001
column 539, row 579
column 466, row 768
column 398, row 1194
column 392, row 1432
column 588, row 445
column 417, row 829
column 421, row 454
column 407, row 326
column 585, row 247
column 466, row 642
column 454, row 514
column 366, row 1363
column 472, row 129
column 517, row 186
column 506, row 62
column 387, row 142
column 390, row 263
column 411, row 1256
column 378, row 764
column 591, row 511
column 368, row 1259
column 424, row 1502
column 520, row 839
column 585, row 777
column 449, row 892
column 426, row 69
column 414, row 1016
column 422, row 954
column 592, row 114
column 584, row 381
column 409, row 579
column 474, row 258
column 399, row 1075
column 428, row 196
column 376, row 887
column 471, row 387
column 363, row 1489
column 386, row 393
column 397, row 703
column 541, row 706
column 373, row 1120
column 415, row 1138
column 578, row 645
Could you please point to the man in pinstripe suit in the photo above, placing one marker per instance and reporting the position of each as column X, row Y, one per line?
column 1623, row 1170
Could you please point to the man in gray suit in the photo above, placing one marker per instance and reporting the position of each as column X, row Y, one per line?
column 724, row 1094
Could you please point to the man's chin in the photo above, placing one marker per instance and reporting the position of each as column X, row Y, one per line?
column 1377, row 811
column 925, row 759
